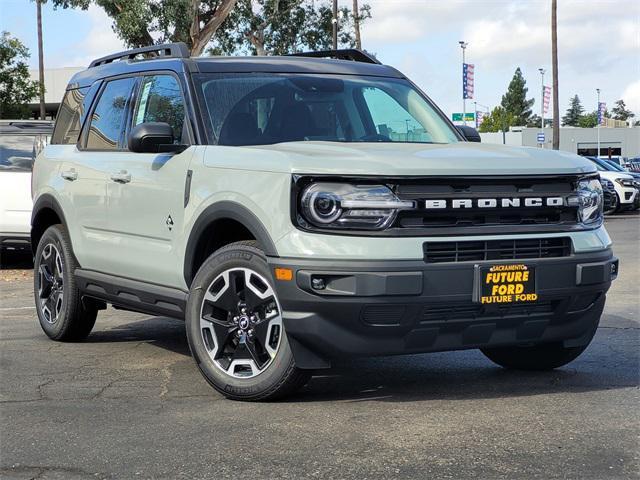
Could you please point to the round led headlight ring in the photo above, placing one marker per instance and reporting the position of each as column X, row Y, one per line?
column 324, row 207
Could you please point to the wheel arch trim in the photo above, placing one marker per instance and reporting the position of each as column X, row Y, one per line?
column 46, row 201
column 220, row 211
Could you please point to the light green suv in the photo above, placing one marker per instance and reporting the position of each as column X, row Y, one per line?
column 294, row 210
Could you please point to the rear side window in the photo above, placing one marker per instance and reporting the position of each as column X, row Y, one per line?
column 68, row 123
column 109, row 117
column 160, row 100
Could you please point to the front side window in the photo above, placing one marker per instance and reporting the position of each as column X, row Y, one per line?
column 109, row 117
column 161, row 100
column 261, row 109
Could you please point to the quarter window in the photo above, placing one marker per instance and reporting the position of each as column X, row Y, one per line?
column 109, row 117
column 68, row 124
column 161, row 100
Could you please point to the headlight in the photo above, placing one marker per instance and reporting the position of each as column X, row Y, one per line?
column 606, row 184
column 589, row 201
column 625, row 182
column 344, row 206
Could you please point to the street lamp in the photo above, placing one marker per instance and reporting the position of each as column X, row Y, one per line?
column 463, row 46
column 542, row 72
column 598, row 122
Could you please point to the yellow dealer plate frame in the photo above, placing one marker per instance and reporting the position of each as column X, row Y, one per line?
column 500, row 284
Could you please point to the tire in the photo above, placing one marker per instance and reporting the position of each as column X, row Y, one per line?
column 235, row 330
column 62, row 314
column 534, row 358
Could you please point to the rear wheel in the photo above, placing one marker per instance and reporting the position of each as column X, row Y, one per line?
column 235, row 328
column 61, row 312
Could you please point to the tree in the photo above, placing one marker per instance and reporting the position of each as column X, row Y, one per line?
column 278, row 27
column 588, row 120
column 16, row 87
column 575, row 110
column 515, row 100
column 498, row 120
column 145, row 22
column 620, row 111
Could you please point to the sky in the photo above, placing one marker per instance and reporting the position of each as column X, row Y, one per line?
column 598, row 43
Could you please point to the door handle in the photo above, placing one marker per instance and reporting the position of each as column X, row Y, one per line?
column 70, row 175
column 121, row 177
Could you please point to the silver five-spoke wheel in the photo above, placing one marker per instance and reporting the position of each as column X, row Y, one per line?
column 241, row 322
column 50, row 283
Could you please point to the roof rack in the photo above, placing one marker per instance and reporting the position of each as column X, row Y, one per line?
column 168, row 50
column 352, row 54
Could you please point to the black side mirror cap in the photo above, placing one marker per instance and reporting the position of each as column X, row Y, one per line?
column 469, row 133
column 153, row 137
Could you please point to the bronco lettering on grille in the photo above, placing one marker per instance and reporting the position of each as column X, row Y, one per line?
column 514, row 202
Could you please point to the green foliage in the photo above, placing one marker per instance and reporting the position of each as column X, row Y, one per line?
column 620, row 111
column 575, row 110
column 16, row 87
column 515, row 102
column 498, row 120
column 588, row 120
column 139, row 22
column 277, row 27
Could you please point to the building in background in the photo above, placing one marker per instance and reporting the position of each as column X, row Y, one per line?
column 616, row 142
column 55, row 84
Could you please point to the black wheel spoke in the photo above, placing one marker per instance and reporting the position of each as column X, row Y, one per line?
column 252, row 349
column 223, row 337
column 261, row 329
column 46, row 280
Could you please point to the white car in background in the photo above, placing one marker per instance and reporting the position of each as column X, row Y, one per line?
column 19, row 141
column 625, row 184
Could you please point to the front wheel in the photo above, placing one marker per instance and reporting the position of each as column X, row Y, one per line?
column 235, row 328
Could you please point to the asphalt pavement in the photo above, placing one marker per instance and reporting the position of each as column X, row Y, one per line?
column 130, row 403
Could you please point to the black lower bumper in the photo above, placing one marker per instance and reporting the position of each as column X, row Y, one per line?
column 352, row 308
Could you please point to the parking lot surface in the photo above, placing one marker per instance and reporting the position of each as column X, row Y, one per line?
column 130, row 403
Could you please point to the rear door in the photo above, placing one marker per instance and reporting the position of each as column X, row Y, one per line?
column 146, row 191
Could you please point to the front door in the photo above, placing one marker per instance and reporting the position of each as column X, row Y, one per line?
column 145, row 192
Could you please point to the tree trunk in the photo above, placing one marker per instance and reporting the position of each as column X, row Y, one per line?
column 201, row 35
column 356, row 24
column 554, row 61
column 43, row 112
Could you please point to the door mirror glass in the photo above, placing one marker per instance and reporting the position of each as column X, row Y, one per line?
column 469, row 133
column 153, row 137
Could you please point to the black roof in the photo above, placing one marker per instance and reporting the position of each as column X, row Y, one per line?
column 254, row 64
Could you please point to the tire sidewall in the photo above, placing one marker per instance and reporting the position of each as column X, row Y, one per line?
column 54, row 236
column 275, row 373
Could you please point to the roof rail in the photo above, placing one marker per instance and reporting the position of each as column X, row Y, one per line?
column 169, row 50
column 352, row 54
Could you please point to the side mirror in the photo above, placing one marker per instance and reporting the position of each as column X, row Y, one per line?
column 153, row 137
column 469, row 133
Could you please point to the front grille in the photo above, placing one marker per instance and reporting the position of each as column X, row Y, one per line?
column 478, row 312
column 487, row 219
column 482, row 250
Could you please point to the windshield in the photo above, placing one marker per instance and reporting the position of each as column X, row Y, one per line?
column 615, row 166
column 262, row 109
column 16, row 152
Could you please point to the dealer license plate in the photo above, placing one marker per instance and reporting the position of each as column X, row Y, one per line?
column 512, row 283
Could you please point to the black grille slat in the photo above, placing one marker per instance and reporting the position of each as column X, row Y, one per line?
column 469, row 251
column 478, row 312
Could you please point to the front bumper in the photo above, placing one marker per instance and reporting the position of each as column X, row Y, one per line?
column 395, row 307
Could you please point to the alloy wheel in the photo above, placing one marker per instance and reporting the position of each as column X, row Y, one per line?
column 50, row 283
column 241, row 322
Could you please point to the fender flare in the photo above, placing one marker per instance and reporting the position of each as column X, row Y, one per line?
column 225, row 210
column 45, row 201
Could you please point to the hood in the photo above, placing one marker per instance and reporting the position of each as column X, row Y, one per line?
column 399, row 159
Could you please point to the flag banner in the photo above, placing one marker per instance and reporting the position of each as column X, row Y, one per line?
column 602, row 108
column 467, row 80
column 479, row 118
column 546, row 99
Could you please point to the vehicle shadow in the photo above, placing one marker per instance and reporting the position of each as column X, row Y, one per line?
column 437, row 376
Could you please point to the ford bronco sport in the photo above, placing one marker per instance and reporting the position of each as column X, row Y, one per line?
column 296, row 209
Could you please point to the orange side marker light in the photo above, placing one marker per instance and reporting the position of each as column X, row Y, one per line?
column 284, row 274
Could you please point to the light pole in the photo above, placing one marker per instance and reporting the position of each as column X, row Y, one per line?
column 463, row 46
column 542, row 72
column 407, row 129
column 334, row 24
column 43, row 112
column 598, row 122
